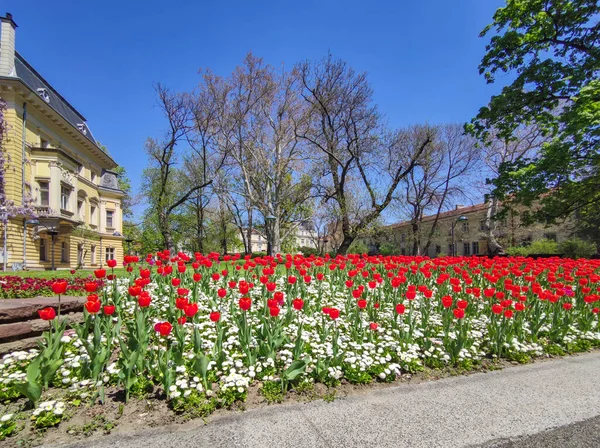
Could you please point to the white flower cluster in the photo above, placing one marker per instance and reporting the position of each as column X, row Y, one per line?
column 54, row 406
column 235, row 381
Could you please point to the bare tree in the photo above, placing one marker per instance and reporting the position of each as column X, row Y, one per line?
column 347, row 132
column 262, row 112
column 167, row 185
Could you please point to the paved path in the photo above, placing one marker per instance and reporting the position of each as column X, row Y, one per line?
column 509, row 408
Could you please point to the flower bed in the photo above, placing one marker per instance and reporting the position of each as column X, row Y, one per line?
column 198, row 333
column 17, row 287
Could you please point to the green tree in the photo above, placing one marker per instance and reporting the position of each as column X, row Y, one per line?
column 552, row 48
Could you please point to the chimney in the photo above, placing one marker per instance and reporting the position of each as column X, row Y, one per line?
column 459, row 206
column 7, row 46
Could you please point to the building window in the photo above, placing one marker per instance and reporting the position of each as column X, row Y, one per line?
column 110, row 253
column 43, row 143
column 44, row 194
column 403, row 237
column 466, row 249
column 93, row 176
column 482, row 225
column 64, row 252
column 475, row 247
column 93, row 254
column 43, row 249
column 109, row 219
column 93, row 215
column 465, row 226
column 65, row 193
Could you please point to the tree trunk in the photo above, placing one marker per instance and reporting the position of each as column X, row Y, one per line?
column 165, row 230
column 346, row 243
column 249, row 233
column 493, row 246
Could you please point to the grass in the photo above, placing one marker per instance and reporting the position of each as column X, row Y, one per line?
column 66, row 274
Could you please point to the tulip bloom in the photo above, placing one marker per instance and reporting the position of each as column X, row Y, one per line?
column 373, row 326
column 92, row 307
column 362, row 304
column 458, row 313
column 144, row 300
column 100, row 273
column 111, row 263
column 298, row 304
column 109, row 310
column 274, row 311
column 59, row 287
column 400, row 308
column 164, row 328
column 91, row 286
column 245, row 303
column 215, row 316
column 191, row 310
column 47, row 313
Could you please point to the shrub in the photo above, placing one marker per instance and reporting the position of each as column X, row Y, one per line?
column 308, row 251
column 358, row 247
column 577, row 248
column 543, row 246
column 388, row 249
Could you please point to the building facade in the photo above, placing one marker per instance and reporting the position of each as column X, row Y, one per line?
column 470, row 233
column 62, row 204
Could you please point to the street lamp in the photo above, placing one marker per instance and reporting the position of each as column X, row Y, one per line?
column 269, row 221
column 460, row 219
column 52, row 232
column 128, row 241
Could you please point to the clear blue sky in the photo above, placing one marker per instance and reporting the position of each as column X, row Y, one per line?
column 104, row 56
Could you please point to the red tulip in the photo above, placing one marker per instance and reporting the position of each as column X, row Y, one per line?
column 215, row 316
column 109, row 310
column 447, row 301
column 91, row 286
column 134, row 291
column 298, row 304
column 245, row 303
column 462, row 304
column 111, row 263
column 458, row 313
column 373, row 326
column 59, row 287
column 400, row 308
column 334, row 313
column 47, row 313
column 144, row 300
column 100, row 273
column 496, row 308
column 197, row 277
column 362, row 304
column 93, row 298
column 191, row 310
column 164, row 328
column 92, row 307
column 274, row 311
column 181, row 320
column 175, row 281
column 222, row 292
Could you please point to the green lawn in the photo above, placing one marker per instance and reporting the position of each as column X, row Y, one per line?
column 59, row 274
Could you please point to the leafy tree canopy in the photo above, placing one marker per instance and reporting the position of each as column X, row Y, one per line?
column 552, row 49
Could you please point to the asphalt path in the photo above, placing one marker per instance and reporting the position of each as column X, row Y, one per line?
column 554, row 403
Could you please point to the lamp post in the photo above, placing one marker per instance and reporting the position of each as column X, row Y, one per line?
column 269, row 221
column 52, row 232
column 129, row 241
column 460, row 219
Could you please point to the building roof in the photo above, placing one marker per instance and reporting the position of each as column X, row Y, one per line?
column 444, row 215
column 32, row 79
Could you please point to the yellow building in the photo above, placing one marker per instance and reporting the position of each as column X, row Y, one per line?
column 62, row 202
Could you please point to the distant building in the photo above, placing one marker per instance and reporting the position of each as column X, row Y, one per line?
column 57, row 176
column 470, row 235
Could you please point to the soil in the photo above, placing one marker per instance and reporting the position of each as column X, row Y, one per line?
column 91, row 422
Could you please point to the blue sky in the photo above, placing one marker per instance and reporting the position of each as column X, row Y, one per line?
column 421, row 56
